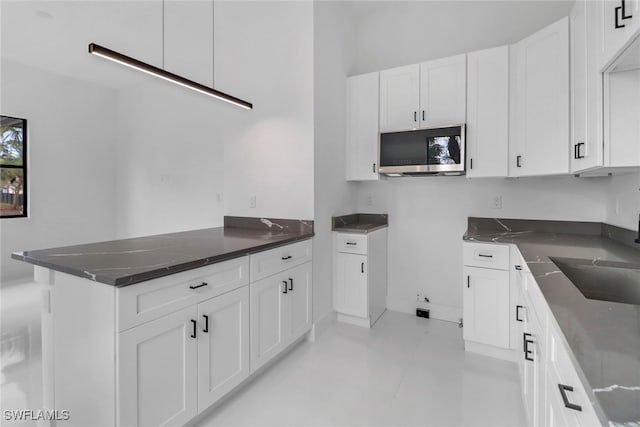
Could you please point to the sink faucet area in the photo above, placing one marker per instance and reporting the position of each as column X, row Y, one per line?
column 603, row 280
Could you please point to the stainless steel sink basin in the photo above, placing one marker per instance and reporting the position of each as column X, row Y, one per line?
column 603, row 280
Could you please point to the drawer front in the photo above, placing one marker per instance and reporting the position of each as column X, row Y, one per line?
column 264, row 264
column 150, row 300
column 351, row 243
column 486, row 255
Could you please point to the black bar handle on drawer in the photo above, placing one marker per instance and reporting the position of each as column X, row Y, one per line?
column 290, row 284
column 485, row 255
column 623, row 14
column 284, row 282
column 351, row 243
column 206, row 324
column 519, row 161
column 618, row 24
column 362, row 267
column 198, row 286
column 518, row 267
column 518, row 307
column 564, row 388
column 527, row 352
column 284, row 258
column 195, row 325
column 468, row 281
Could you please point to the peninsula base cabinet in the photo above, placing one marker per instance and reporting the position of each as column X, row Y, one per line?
column 160, row 352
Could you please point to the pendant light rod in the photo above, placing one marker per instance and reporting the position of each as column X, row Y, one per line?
column 127, row 61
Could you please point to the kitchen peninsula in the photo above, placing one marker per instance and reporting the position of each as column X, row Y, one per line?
column 155, row 330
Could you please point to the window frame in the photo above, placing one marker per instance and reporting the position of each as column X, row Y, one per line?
column 25, row 179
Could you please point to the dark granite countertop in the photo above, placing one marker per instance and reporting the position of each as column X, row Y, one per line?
column 128, row 261
column 603, row 337
column 359, row 223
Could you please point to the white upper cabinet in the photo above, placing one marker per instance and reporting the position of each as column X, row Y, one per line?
column 620, row 21
column 488, row 113
column 443, row 92
column 540, row 140
column 399, row 98
column 362, row 127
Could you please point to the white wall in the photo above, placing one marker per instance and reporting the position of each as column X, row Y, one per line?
column 428, row 216
column 264, row 53
column 333, row 60
column 623, row 201
column 170, row 173
column 408, row 32
column 71, row 134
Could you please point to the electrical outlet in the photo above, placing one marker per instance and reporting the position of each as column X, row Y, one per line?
column 497, row 202
column 422, row 298
column 252, row 201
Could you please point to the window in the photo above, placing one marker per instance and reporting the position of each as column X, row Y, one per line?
column 13, row 167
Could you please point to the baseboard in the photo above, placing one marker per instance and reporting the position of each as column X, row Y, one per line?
column 352, row 320
column 491, row 351
column 437, row 311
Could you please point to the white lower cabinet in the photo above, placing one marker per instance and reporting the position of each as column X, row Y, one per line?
column 280, row 312
column 485, row 297
column 153, row 390
column 205, row 354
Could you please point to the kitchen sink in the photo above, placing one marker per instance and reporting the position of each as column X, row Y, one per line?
column 603, row 280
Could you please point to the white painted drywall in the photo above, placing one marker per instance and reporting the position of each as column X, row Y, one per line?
column 623, row 201
column 71, row 133
column 169, row 160
column 400, row 33
column 264, row 53
column 334, row 44
column 428, row 216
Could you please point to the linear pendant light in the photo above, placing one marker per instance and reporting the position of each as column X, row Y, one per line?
column 114, row 56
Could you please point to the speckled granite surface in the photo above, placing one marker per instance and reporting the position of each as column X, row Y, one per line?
column 128, row 261
column 603, row 336
column 359, row 223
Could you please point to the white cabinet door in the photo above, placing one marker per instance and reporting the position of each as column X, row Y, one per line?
column 399, row 98
column 157, row 367
column 362, row 127
column 586, row 149
column 540, row 144
column 443, row 92
column 613, row 39
column 351, row 290
column 223, row 345
column 269, row 321
column 299, row 296
column 486, row 306
column 488, row 113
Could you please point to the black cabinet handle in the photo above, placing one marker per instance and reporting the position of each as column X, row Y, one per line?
column 284, row 282
column 519, row 161
column 468, row 281
column 290, row 284
column 575, row 151
column 374, row 168
column 206, row 324
column 623, row 14
column 471, row 163
column 351, row 243
column 362, row 267
column 415, row 116
column 527, row 352
column 423, row 115
column 195, row 325
column 485, row 256
column 619, row 9
column 563, row 389
column 518, row 267
column 198, row 286
column 518, row 307
column 284, row 258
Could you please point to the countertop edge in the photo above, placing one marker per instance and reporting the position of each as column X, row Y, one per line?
column 347, row 229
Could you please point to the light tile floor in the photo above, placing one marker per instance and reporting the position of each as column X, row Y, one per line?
column 404, row 371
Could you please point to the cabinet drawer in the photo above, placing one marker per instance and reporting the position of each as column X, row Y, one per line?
column 155, row 298
column 351, row 243
column 486, row 255
column 264, row 264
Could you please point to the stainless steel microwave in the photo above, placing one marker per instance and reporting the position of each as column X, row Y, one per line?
column 437, row 151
